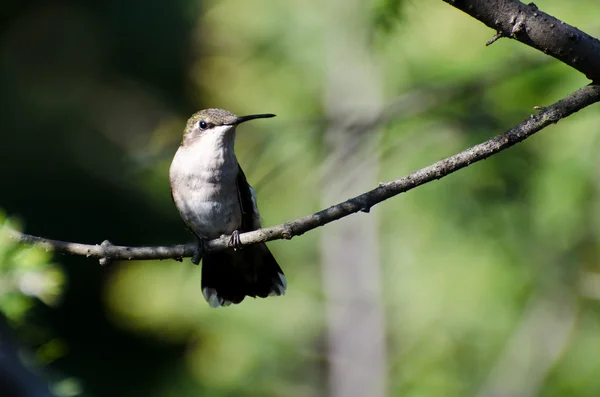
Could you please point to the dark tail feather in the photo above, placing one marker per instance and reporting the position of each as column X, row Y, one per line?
column 229, row 276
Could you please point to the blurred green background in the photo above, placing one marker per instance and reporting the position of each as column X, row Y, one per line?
column 488, row 279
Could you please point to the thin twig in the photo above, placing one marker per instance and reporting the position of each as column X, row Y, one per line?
column 550, row 115
column 494, row 38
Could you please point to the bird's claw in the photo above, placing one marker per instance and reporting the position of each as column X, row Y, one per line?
column 234, row 240
column 199, row 252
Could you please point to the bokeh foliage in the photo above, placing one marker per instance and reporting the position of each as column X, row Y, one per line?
column 94, row 96
column 27, row 274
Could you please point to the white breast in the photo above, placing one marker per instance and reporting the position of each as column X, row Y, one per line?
column 203, row 179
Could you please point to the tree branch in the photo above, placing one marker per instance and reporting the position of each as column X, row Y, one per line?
column 529, row 25
column 549, row 115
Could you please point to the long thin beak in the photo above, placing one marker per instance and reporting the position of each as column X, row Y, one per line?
column 242, row 119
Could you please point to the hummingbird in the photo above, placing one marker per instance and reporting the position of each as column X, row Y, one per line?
column 214, row 199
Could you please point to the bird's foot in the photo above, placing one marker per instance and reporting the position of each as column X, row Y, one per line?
column 199, row 252
column 234, row 240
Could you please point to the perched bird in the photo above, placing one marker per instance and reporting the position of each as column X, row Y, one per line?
column 214, row 199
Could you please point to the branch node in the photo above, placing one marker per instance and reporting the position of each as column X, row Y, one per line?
column 518, row 28
column 105, row 260
column 319, row 218
column 287, row 233
column 573, row 36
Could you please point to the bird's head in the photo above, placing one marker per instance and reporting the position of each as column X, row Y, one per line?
column 218, row 124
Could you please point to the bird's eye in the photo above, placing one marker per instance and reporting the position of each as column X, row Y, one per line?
column 203, row 125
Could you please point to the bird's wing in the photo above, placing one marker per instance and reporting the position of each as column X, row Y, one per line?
column 247, row 199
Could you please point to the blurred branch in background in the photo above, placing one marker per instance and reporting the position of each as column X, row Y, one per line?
column 414, row 103
column 351, row 266
column 548, row 115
